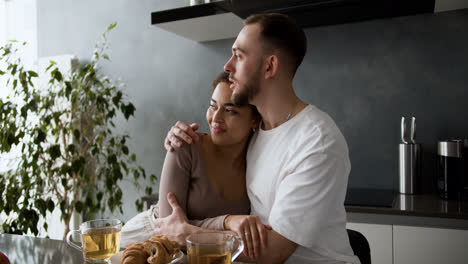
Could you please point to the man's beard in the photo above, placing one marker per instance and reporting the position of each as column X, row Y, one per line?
column 249, row 91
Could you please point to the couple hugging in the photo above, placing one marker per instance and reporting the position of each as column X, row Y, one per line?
column 273, row 170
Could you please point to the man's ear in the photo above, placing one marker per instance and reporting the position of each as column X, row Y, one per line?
column 256, row 123
column 271, row 66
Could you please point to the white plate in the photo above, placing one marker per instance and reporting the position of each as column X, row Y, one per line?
column 175, row 258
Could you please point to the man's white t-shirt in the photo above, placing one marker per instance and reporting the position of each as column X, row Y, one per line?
column 297, row 175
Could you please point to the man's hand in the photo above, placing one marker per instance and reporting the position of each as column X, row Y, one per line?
column 181, row 131
column 175, row 226
column 251, row 230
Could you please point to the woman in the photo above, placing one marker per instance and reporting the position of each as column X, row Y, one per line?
column 208, row 177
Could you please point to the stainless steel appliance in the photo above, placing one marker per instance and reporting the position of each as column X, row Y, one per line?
column 409, row 158
column 450, row 171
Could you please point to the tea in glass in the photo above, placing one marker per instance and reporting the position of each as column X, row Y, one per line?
column 100, row 239
column 211, row 255
column 100, row 244
column 213, row 248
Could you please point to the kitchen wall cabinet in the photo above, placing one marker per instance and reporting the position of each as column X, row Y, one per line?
column 399, row 244
column 380, row 240
column 424, row 245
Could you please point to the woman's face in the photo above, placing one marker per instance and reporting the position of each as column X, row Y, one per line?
column 229, row 124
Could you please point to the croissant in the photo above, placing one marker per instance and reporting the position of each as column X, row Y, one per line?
column 160, row 249
column 157, row 250
column 134, row 254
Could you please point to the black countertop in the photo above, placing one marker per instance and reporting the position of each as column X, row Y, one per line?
column 421, row 210
column 418, row 205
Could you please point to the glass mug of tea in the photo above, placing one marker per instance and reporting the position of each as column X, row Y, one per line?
column 100, row 239
column 213, row 247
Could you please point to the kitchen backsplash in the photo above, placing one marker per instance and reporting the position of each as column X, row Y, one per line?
column 365, row 75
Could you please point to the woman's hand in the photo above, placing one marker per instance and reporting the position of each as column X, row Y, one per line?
column 180, row 132
column 251, row 230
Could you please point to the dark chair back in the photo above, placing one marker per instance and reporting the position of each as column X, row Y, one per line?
column 360, row 246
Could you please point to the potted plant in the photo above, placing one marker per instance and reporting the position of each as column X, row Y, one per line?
column 70, row 155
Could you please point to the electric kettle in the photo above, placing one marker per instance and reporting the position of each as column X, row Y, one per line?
column 450, row 171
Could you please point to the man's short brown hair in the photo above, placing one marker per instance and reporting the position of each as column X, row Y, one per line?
column 282, row 32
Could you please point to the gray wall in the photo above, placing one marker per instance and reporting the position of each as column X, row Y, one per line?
column 365, row 75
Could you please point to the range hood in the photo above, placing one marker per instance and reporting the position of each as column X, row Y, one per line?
column 228, row 14
column 309, row 13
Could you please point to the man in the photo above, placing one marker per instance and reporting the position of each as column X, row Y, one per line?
column 297, row 163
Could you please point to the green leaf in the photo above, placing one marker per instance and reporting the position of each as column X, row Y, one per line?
column 65, row 169
column 6, row 51
column 89, row 202
column 99, row 196
column 71, row 148
column 94, row 151
column 79, row 206
column 112, row 159
column 149, row 190
column 142, row 171
column 133, row 157
column 76, row 133
column 54, row 152
column 153, row 178
column 92, row 96
column 51, row 64
column 109, row 184
column 125, row 150
column 40, row 136
column 24, row 112
column 116, row 99
column 68, row 89
column 41, row 205
column 13, row 69
column 33, row 74
column 112, row 26
column 139, row 205
column 136, row 174
column 128, row 110
column 111, row 203
column 46, row 118
column 57, row 75
column 32, row 105
column 50, row 205
column 118, row 195
column 111, row 114
column 63, row 207
column 117, row 173
column 78, row 165
column 124, row 166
